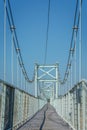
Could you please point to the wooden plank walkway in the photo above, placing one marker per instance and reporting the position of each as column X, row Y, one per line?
column 46, row 119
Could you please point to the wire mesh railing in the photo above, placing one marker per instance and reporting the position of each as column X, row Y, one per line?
column 73, row 106
column 16, row 106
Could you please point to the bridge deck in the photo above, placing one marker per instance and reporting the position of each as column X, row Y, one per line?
column 52, row 121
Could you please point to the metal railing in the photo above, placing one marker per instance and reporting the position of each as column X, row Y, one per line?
column 72, row 107
column 16, row 106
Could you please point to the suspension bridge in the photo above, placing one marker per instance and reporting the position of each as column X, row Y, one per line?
column 47, row 101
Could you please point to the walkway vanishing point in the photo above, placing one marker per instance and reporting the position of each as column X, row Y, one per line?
column 46, row 119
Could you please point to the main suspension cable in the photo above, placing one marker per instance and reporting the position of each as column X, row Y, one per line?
column 16, row 43
column 72, row 47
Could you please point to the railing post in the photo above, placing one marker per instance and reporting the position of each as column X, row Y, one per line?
column 68, row 105
column 36, row 82
column 78, row 116
column 83, row 105
column 62, row 105
column 73, row 108
column 3, row 106
column 57, row 80
column 78, row 108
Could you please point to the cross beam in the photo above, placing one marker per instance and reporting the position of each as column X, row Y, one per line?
column 46, row 74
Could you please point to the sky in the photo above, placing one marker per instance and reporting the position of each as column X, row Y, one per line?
column 30, row 18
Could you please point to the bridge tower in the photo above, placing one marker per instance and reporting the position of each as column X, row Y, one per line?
column 46, row 80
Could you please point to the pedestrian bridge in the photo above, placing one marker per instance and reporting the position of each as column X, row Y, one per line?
column 52, row 99
column 22, row 111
